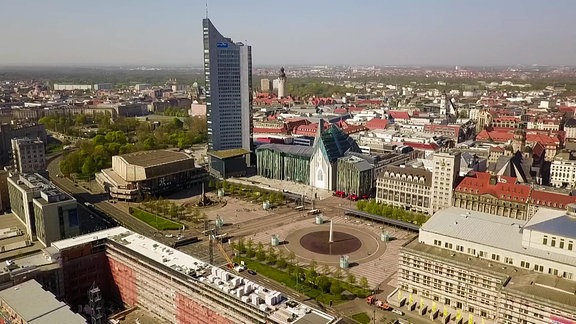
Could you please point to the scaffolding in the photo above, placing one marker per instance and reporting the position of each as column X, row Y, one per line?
column 96, row 304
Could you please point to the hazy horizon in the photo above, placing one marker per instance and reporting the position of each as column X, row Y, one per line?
column 66, row 33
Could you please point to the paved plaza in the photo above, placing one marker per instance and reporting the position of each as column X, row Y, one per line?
column 377, row 260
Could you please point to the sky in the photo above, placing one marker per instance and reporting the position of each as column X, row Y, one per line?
column 290, row 32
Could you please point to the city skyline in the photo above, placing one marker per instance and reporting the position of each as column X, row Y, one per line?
column 375, row 33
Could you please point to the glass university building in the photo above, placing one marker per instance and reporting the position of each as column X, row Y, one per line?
column 228, row 76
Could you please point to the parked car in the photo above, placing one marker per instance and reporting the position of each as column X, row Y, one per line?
column 398, row 312
column 252, row 272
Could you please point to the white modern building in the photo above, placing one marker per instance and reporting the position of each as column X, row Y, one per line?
column 228, row 76
column 563, row 171
column 493, row 269
column 28, row 155
column 48, row 213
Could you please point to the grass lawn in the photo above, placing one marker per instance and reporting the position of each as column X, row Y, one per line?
column 158, row 222
column 290, row 281
column 361, row 318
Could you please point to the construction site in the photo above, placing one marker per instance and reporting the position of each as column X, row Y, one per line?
column 174, row 287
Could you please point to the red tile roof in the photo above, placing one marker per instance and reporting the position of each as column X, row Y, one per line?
column 551, row 199
column 351, row 129
column 269, row 130
column 308, row 130
column 377, row 123
column 396, row 114
column 505, row 188
column 423, row 146
column 444, row 129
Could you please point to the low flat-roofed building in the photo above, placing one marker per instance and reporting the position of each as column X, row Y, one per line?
column 136, row 175
column 29, row 303
column 229, row 163
column 500, row 269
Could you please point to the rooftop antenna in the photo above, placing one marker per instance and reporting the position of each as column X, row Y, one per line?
column 206, row 8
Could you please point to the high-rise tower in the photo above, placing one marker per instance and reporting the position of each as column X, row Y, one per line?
column 228, row 76
column 444, row 174
column 281, row 83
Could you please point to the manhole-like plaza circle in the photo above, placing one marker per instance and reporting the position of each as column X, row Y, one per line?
column 343, row 243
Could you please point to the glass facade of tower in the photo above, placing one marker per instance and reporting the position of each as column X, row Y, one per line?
column 228, row 76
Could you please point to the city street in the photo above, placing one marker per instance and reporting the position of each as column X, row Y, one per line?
column 99, row 201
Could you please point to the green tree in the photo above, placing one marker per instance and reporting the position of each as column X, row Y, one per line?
column 99, row 140
column 89, row 167
column 323, row 283
column 271, row 255
column 351, row 278
column 292, row 257
column 336, row 287
column 363, row 282
column 250, row 248
column 260, row 252
column 177, row 123
column 149, row 143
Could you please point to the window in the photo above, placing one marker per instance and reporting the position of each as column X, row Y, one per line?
column 448, row 245
column 525, row 264
column 561, row 245
column 545, row 240
column 495, row 257
column 508, row 260
column 538, row 268
column 437, row 242
column 553, row 241
column 570, row 245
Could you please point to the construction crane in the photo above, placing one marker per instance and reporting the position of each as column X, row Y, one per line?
column 216, row 239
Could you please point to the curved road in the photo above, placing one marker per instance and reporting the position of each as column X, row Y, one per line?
column 100, row 201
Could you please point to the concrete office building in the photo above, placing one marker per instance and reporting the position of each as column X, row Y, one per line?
column 493, row 269
column 444, row 174
column 563, row 171
column 29, row 303
column 48, row 213
column 28, row 155
column 172, row 286
column 134, row 176
column 265, row 85
column 228, row 76
column 406, row 187
column 9, row 131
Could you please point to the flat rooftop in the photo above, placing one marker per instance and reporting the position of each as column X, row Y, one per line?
column 491, row 230
column 226, row 154
column 36, row 305
column 147, row 159
column 11, row 244
column 246, row 291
